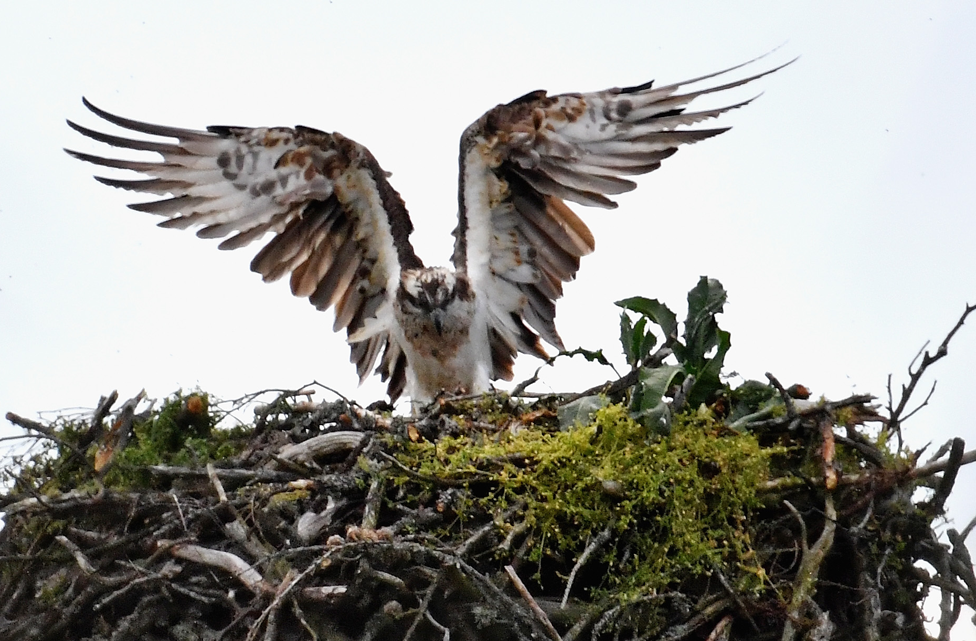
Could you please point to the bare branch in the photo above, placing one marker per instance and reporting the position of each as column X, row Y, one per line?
column 539, row 614
column 915, row 375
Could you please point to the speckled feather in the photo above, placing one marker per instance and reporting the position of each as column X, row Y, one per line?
column 339, row 229
column 341, row 232
column 516, row 238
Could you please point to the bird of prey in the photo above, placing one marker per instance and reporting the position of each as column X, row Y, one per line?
column 341, row 232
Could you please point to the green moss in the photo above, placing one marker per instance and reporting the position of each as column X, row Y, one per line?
column 675, row 505
column 286, row 498
column 181, row 433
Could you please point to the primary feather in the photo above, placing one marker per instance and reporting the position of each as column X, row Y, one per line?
column 341, row 232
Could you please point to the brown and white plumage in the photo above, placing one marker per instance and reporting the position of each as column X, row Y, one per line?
column 341, row 232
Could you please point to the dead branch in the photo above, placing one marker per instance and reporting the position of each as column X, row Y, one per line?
column 915, row 375
column 226, row 561
column 539, row 614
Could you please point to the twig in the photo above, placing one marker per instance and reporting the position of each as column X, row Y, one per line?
column 76, row 552
column 225, row 474
column 593, row 546
column 735, row 597
column 944, row 488
column 827, row 451
column 805, row 583
column 324, row 445
column 785, row 396
column 284, row 589
column 300, row 615
column 446, row 633
column 788, row 482
column 371, row 514
column 231, row 563
column 421, row 477
column 487, row 528
column 179, row 509
column 678, row 632
column 895, row 413
column 215, row 481
column 517, row 530
column 50, row 434
column 628, row 380
column 722, row 629
column 813, row 410
column 519, row 389
column 424, row 604
column 536, row 610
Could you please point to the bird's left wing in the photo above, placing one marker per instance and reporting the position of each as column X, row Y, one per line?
column 339, row 228
column 516, row 238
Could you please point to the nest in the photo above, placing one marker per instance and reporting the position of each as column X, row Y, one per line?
column 758, row 514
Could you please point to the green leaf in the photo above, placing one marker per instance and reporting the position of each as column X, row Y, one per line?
column 580, row 411
column 647, row 403
column 636, row 342
column 701, row 329
column 707, row 379
column 654, row 310
column 627, row 338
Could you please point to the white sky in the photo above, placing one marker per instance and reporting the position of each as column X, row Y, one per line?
column 838, row 213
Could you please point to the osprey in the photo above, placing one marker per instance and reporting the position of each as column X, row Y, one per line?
column 341, row 232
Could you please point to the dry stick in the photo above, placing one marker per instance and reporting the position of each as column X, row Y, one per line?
column 215, row 481
column 517, row 530
column 819, row 408
column 50, row 434
column 300, row 615
column 331, row 443
column 371, row 515
column 785, row 396
column 236, row 529
column 611, row 388
column 735, row 597
column 944, row 488
column 895, row 414
column 179, row 509
column 284, row 590
column 76, row 552
column 423, row 607
column 805, row 584
column 417, row 475
column 442, row 629
column 787, row 482
column 722, row 629
column 484, row 530
column 536, row 610
column 594, row 545
column 827, row 451
column 233, row 475
column 680, row 631
column 490, row 590
column 962, row 564
column 231, row 563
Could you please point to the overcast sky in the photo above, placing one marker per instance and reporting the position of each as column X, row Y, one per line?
column 838, row 212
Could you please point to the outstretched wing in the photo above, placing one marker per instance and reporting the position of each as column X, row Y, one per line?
column 516, row 238
column 338, row 228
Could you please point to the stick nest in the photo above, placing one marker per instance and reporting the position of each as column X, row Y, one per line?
column 759, row 516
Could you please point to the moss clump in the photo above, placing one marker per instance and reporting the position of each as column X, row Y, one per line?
column 181, row 433
column 83, row 454
column 674, row 505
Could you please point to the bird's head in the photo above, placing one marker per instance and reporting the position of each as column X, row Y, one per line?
column 435, row 293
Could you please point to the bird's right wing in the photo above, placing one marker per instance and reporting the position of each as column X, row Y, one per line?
column 338, row 228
